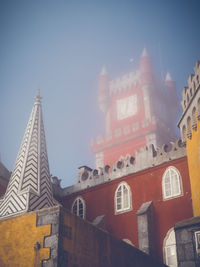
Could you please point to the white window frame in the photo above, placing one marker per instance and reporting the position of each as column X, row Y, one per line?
column 76, row 202
column 170, row 171
column 122, row 186
column 169, row 244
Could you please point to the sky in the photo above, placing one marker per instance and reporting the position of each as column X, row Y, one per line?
column 60, row 46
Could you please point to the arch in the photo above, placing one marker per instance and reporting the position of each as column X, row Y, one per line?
column 189, row 126
column 194, row 86
column 188, row 99
column 171, row 183
column 169, row 249
column 190, row 91
column 194, row 122
column 183, row 134
column 123, row 198
column 79, row 207
column 198, row 109
column 197, row 79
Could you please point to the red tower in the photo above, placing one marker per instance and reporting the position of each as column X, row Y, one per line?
column 139, row 111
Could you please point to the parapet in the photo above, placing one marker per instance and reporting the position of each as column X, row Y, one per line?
column 190, row 104
column 146, row 158
column 124, row 82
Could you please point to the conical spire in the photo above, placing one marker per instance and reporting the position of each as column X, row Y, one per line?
column 30, row 186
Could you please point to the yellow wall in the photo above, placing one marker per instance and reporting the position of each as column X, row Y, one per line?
column 193, row 155
column 17, row 238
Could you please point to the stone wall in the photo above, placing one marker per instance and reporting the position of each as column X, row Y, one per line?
column 54, row 237
column 83, row 244
column 188, row 242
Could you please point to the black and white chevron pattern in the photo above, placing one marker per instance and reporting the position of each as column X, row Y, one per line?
column 30, row 187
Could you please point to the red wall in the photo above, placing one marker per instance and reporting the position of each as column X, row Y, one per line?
column 145, row 186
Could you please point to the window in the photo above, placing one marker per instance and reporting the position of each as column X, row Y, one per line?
column 122, row 198
column 78, row 207
column 169, row 247
column 171, row 183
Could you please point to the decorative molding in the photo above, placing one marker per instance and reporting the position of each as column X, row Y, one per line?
column 146, row 158
column 30, row 186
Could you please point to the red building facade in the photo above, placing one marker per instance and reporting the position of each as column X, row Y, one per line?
column 115, row 198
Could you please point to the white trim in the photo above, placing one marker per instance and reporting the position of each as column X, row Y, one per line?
column 84, row 206
column 172, row 194
column 122, row 203
column 169, row 245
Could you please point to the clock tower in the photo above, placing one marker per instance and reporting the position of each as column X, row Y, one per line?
column 139, row 111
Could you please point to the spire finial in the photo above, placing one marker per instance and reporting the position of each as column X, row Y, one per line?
column 168, row 77
column 103, row 71
column 37, row 98
column 144, row 52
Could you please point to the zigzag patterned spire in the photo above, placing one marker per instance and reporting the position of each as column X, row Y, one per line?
column 30, row 186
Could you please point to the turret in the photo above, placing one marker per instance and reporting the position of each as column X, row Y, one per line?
column 103, row 94
column 171, row 92
column 146, row 67
column 169, row 82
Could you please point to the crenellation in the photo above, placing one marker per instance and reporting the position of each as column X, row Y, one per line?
column 191, row 105
column 124, row 82
column 145, row 158
column 190, row 80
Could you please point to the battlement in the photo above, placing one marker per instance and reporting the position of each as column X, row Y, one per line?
column 190, row 104
column 193, row 84
column 146, row 158
column 124, row 82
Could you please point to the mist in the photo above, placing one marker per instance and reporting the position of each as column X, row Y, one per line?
column 60, row 48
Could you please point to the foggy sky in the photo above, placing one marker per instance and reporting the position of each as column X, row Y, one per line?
column 60, row 48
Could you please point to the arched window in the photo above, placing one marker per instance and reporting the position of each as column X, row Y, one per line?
column 122, row 198
column 78, row 207
column 169, row 247
column 171, row 183
column 189, row 126
column 198, row 109
column 194, row 122
column 184, row 134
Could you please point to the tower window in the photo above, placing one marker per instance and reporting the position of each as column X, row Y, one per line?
column 122, row 198
column 171, row 183
column 78, row 207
